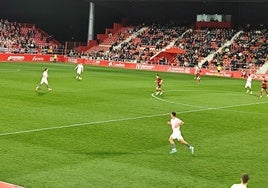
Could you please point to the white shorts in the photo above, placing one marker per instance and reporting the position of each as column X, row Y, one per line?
column 176, row 135
column 44, row 81
column 248, row 84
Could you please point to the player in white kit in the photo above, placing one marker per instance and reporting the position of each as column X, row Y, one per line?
column 79, row 69
column 248, row 84
column 44, row 80
column 175, row 124
column 243, row 182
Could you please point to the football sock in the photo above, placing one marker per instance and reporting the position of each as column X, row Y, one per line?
column 173, row 146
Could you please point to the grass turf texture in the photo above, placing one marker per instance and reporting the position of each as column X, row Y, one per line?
column 108, row 130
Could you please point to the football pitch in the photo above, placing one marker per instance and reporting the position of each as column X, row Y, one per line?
column 110, row 130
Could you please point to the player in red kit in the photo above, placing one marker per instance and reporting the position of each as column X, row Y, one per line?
column 197, row 75
column 159, row 83
column 263, row 87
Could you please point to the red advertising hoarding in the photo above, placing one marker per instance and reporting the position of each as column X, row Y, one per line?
column 117, row 64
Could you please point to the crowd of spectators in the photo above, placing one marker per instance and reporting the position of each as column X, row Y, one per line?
column 11, row 38
column 141, row 48
column 248, row 51
column 147, row 43
column 198, row 44
column 22, row 38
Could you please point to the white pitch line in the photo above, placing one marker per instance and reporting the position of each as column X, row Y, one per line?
column 9, row 70
column 205, row 107
column 171, row 102
column 80, row 124
column 125, row 119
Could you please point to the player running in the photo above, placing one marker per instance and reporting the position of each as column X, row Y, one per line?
column 263, row 87
column 44, row 80
column 159, row 83
column 248, row 84
column 243, row 182
column 197, row 75
column 175, row 124
column 79, row 69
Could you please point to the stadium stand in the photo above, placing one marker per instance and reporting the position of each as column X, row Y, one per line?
column 152, row 44
column 248, row 51
column 138, row 44
column 26, row 38
column 198, row 44
column 207, row 47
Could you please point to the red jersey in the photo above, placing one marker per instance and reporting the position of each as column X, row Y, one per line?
column 159, row 81
column 264, row 84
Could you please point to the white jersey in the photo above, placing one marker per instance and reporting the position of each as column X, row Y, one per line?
column 197, row 70
column 175, row 125
column 79, row 68
column 44, row 77
column 238, row 186
column 249, row 80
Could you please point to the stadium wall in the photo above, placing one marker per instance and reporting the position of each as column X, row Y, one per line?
column 30, row 58
column 35, row 58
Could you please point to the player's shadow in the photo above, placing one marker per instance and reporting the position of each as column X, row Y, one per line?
column 41, row 93
column 256, row 95
column 103, row 154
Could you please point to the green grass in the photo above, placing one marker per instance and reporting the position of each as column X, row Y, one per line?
column 109, row 131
